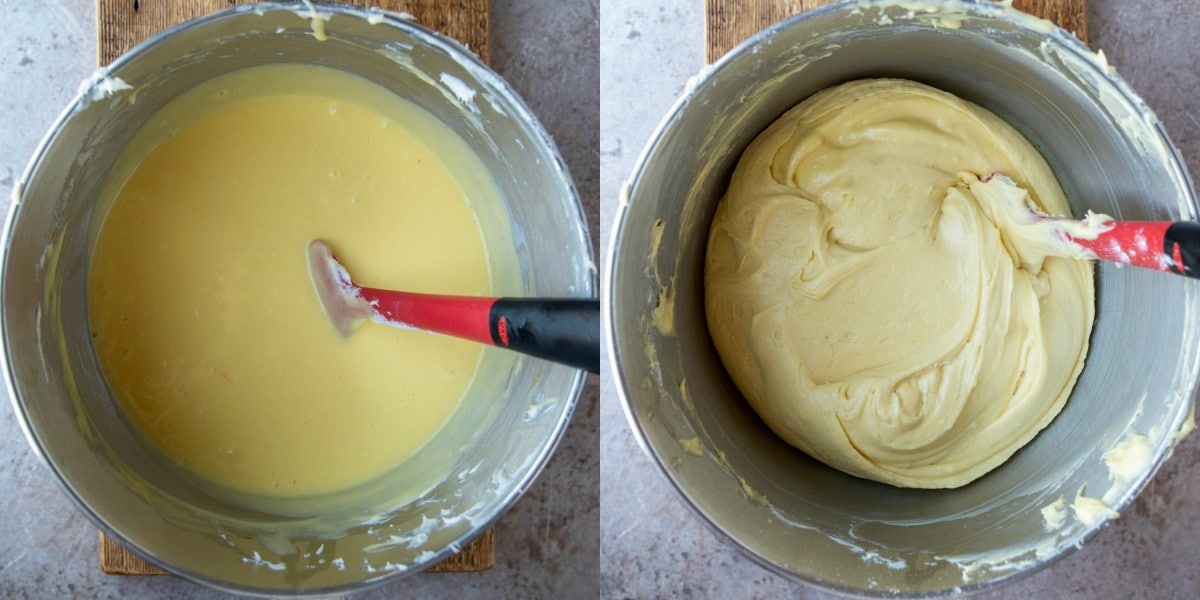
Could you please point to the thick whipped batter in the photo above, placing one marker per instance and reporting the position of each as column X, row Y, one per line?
column 203, row 315
column 878, row 304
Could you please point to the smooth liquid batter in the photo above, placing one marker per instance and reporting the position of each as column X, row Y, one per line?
column 201, row 308
column 870, row 302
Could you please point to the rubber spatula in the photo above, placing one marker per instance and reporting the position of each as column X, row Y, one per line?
column 1170, row 246
column 562, row 330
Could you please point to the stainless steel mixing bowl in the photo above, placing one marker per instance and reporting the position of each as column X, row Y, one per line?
column 492, row 447
column 792, row 513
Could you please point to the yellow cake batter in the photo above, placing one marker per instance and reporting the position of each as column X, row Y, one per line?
column 870, row 301
column 201, row 308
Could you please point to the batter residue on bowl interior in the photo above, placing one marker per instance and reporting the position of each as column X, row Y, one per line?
column 872, row 302
column 201, row 309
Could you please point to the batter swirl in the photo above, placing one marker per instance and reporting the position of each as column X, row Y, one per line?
column 869, row 304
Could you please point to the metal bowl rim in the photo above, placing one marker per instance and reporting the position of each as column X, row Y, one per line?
column 432, row 38
column 1060, row 37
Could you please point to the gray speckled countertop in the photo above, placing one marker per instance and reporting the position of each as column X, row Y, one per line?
column 560, row 540
column 653, row 546
column 547, row 545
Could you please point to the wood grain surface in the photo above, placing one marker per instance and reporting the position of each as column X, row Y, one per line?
column 728, row 22
column 122, row 24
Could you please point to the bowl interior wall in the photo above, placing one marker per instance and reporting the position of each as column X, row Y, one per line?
column 493, row 445
column 794, row 513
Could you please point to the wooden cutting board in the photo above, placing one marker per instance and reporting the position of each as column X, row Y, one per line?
column 728, row 22
column 122, row 24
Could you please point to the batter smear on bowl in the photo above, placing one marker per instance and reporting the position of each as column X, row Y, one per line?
column 202, row 312
column 869, row 302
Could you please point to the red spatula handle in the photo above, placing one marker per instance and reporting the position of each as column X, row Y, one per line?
column 1173, row 247
column 562, row 330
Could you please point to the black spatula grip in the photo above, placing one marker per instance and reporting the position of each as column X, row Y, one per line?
column 1181, row 242
column 562, row 330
